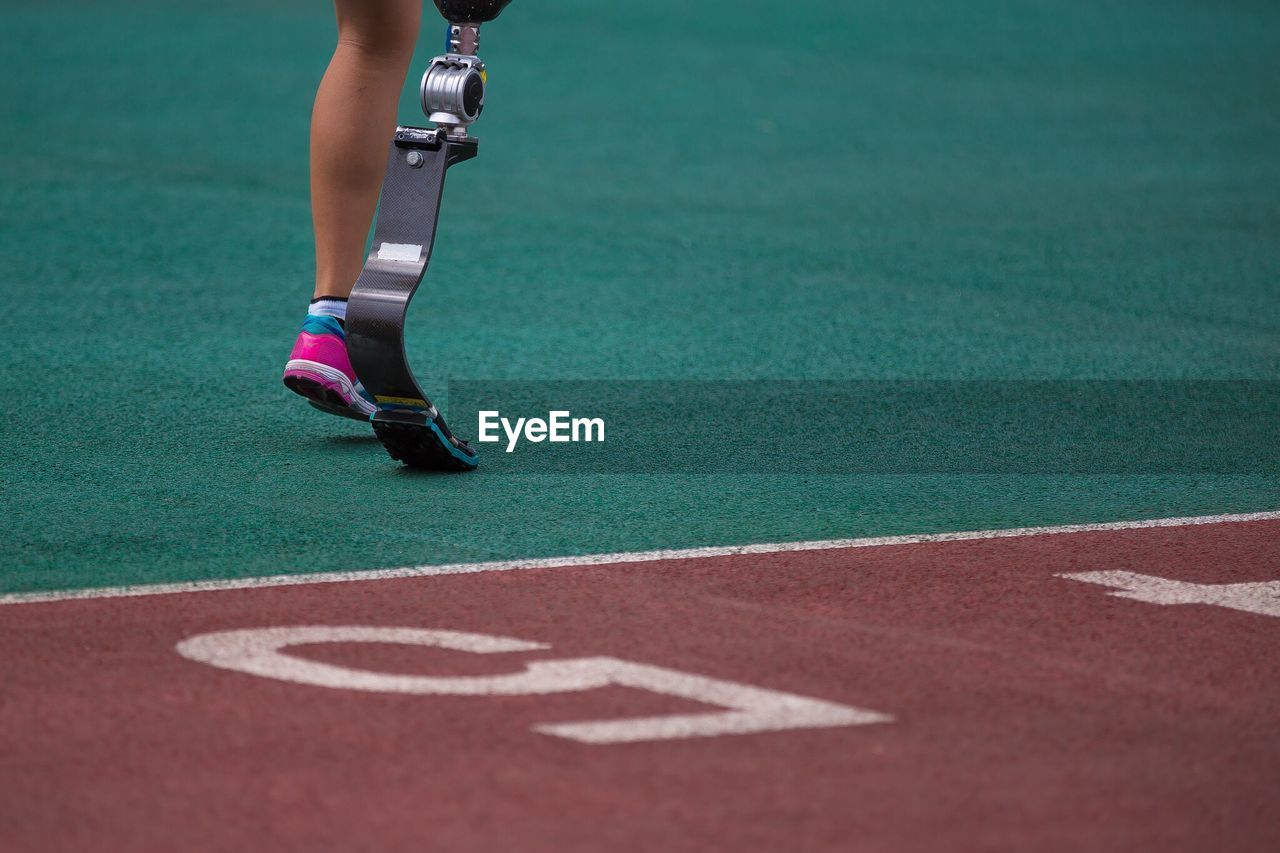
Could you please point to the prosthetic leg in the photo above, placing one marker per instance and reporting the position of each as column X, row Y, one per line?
column 409, row 426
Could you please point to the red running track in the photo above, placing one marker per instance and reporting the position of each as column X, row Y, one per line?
column 1030, row 712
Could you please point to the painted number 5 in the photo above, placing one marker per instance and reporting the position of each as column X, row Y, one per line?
column 261, row 651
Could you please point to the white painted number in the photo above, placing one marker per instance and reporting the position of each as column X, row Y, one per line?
column 260, row 651
column 1262, row 597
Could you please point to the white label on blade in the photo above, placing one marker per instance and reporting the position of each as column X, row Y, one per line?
column 407, row 252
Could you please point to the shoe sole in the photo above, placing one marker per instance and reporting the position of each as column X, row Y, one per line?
column 327, row 389
column 423, row 446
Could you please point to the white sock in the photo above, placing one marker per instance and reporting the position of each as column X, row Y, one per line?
column 329, row 306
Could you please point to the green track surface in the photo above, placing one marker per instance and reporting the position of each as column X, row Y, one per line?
column 873, row 190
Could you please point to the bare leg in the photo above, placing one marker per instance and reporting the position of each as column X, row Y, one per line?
column 351, row 125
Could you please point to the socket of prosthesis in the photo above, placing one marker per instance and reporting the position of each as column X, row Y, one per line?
column 470, row 11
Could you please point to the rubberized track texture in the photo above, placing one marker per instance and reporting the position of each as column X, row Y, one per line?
column 979, row 190
column 987, row 190
column 994, row 698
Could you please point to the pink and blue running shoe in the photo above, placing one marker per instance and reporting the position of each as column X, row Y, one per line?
column 320, row 370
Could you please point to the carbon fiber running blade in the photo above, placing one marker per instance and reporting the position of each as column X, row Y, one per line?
column 402, row 239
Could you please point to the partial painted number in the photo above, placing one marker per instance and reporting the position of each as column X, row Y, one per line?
column 261, row 651
column 1261, row 597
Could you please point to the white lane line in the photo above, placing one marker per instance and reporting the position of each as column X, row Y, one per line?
column 610, row 559
column 1262, row 597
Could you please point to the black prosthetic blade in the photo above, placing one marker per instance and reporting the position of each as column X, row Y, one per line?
column 402, row 239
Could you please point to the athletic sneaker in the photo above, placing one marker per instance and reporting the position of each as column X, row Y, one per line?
column 320, row 370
